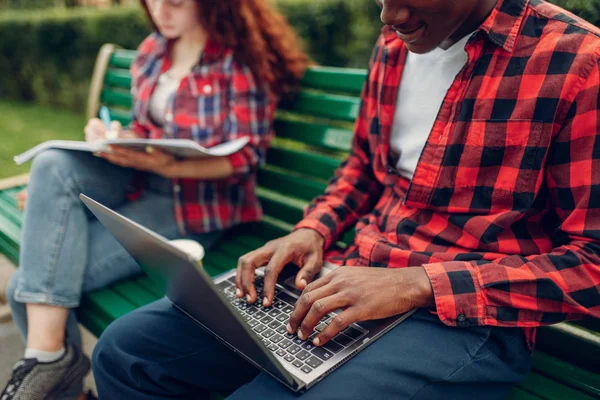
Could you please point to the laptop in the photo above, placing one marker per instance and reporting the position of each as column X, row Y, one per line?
column 256, row 333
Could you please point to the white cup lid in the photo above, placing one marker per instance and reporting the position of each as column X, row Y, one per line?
column 191, row 247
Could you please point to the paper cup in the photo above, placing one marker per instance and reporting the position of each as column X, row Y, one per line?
column 191, row 247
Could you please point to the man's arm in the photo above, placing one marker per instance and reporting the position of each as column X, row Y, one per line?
column 562, row 284
column 354, row 190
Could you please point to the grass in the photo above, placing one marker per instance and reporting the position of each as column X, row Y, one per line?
column 22, row 126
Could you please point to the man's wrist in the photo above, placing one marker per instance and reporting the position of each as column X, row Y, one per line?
column 318, row 238
column 423, row 291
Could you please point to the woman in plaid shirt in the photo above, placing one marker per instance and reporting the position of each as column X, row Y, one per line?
column 212, row 71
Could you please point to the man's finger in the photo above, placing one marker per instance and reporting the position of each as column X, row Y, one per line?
column 279, row 259
column 244, row 278
column 336, row 325
column 311, row 267
column 312, row 306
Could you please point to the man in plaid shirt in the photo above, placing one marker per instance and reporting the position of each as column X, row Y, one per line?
column 499, row 225
column 477, row 197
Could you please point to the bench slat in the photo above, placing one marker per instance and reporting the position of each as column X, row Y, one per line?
column 120, row 78
column 331, row 106
column 9, row 209
column 124, row 117
column 520, row 394
column 291, row 185
column 312, row 165
column 116, row 98
column 560, row 371
column 578, row 346
column 268, row 229
column 134, row 293
column 280, row 206
column 314, row 134
column 147, row 283
column 122, row 58
column 592, row 324
column 251, row 242
column 10, row 198
column 549, row 389
column 10, row 250
column 335, row 79
column 93, row 323
column 107, row 304
column 10, row 230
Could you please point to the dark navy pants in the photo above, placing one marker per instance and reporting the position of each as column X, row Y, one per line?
column 157, row 352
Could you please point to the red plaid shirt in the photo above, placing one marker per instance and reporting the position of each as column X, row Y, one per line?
column 218, row 102
column 503, row 211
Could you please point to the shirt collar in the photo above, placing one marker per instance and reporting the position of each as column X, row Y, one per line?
column 502, row 26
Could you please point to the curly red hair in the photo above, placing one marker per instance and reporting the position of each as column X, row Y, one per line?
column 260, row 35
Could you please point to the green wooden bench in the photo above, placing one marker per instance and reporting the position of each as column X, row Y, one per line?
column 313, row 135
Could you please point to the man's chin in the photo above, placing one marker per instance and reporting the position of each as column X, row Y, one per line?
column 421, row 48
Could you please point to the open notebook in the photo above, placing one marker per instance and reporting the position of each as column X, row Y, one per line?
column 183, row 148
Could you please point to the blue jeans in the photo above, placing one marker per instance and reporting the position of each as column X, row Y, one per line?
column 157, row 352
column 65, row 251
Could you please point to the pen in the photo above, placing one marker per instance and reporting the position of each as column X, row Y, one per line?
column 105, row 117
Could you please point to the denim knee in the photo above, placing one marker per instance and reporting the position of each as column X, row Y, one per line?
column 111, row 345
column 53, row 164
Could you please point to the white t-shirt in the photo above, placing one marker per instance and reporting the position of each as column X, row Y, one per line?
column 165, row 89
column 425, row 81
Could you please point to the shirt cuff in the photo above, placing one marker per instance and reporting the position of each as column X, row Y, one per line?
column 316, row 225
column 458, row 294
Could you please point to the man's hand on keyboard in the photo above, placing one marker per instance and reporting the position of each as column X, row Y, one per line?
column 303, row 247
column 363, row 293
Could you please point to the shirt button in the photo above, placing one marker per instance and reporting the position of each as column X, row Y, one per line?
column 177, row 188
column 207, row 89
column 461, row 318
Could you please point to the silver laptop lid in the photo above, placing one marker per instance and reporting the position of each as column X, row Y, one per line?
column 191, row 289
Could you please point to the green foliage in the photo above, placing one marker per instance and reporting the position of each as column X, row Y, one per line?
column 48, row 57
column 586, row 9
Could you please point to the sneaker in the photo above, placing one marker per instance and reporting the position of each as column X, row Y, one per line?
column 33, row 380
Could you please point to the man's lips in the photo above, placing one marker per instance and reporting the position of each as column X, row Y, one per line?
column 404, row 31
column 412, row 35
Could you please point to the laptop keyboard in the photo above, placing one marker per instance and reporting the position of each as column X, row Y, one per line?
column 269, row 324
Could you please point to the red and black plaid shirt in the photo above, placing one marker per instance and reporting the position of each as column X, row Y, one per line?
column 218, row 102
column 504, row 207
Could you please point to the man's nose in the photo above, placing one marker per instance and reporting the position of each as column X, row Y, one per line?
column 394, row 12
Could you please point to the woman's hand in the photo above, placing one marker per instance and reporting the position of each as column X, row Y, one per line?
column 96, row 130
column 152, row 160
